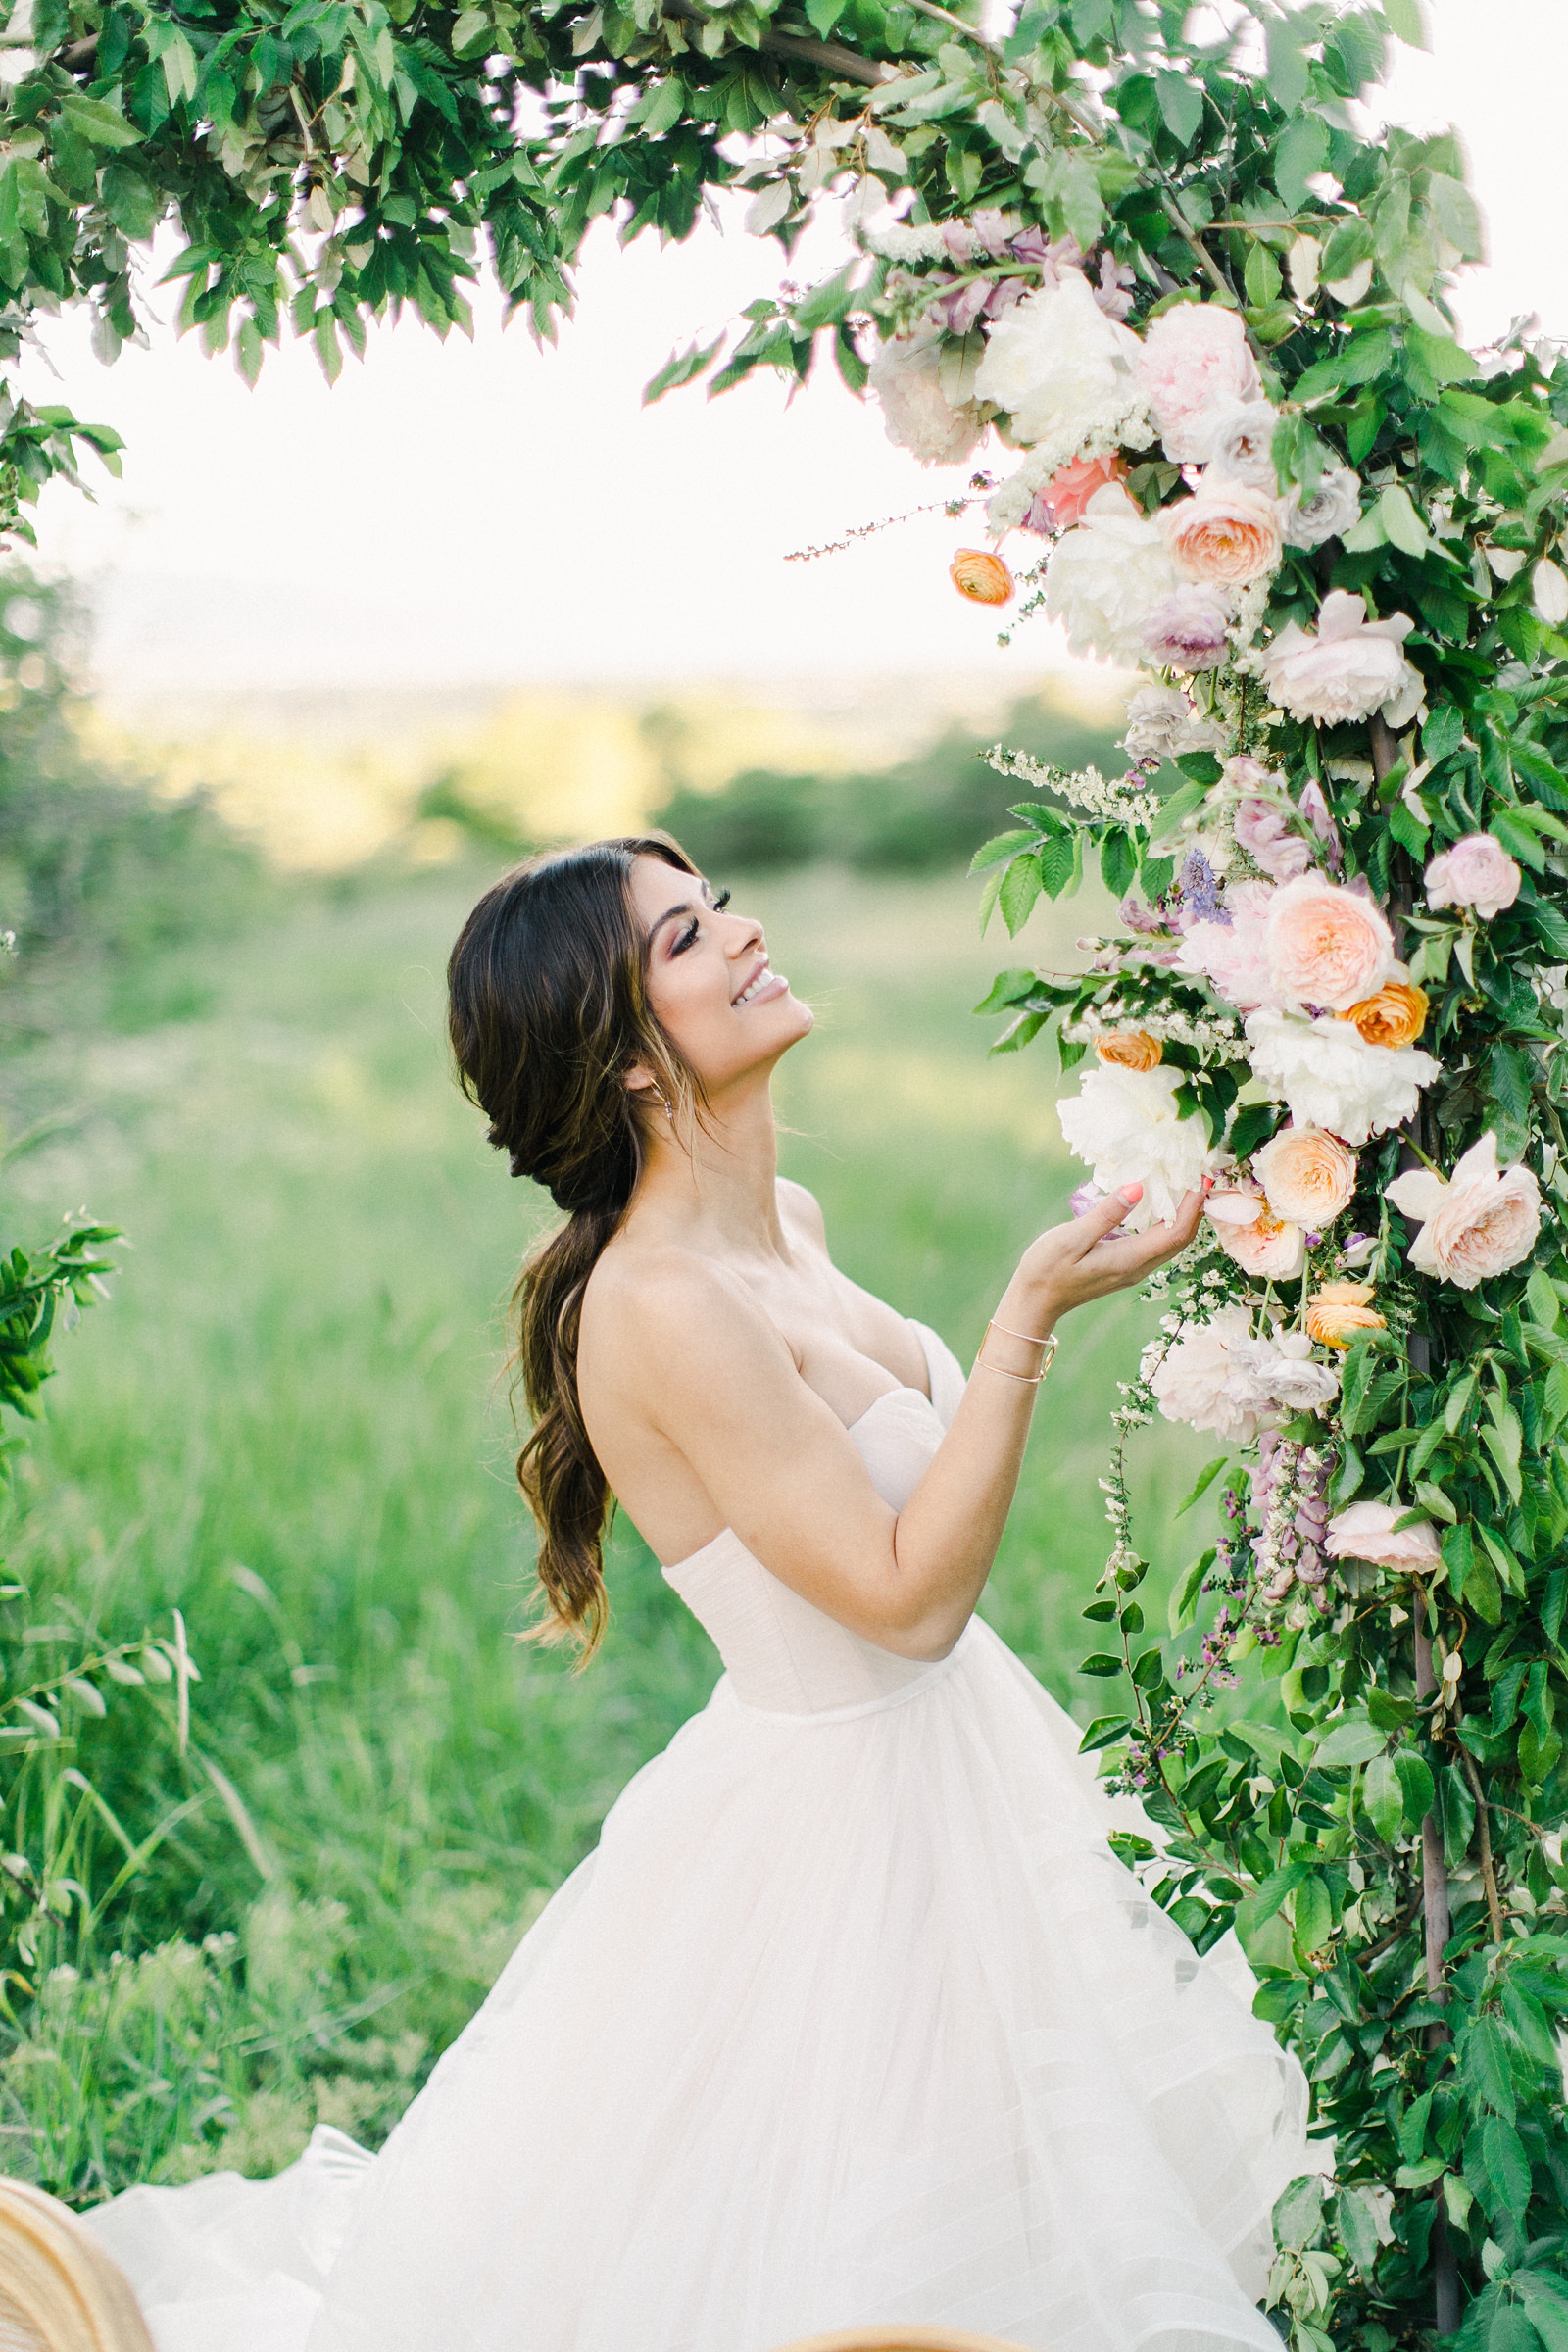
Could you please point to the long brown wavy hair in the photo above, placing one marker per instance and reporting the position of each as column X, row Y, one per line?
column 549, row 1011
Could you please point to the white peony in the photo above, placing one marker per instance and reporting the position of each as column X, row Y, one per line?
column 1479, row 1222
column 1217, row 1376
column 1351, row 667
column 906, row 376
column 1331, row 1077
column 1328, row 512
column 1105, row 576
column 1126, row 1125
column 1063, row 372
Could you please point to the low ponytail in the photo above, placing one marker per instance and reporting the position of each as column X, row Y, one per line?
column 558, row 1469
column 547, row 1014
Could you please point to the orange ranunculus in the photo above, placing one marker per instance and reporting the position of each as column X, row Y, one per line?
column 1395, row 1016
column 979, row 574
column 1130, row 1048
column 1341, row 1313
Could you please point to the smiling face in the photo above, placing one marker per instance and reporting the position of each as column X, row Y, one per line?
column 710, row 983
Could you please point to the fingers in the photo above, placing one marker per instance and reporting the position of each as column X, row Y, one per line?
column 1104, row 1216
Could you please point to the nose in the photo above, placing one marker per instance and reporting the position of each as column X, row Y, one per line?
column 744, row 936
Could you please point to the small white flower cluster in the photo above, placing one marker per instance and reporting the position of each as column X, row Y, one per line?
column 1123, row 421
column 1119, row 802
column 1217, row 1034
column 899, row 241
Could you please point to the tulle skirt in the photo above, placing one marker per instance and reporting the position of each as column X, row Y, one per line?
column 849, row 2018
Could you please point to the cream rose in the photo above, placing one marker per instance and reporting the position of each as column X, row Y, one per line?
column 1239, row 444
column 1351, row 667
column 1060, row 368
column 1366, row 1531
column 1265, row 1246
column 1227, row 533
column 1105, row 576
column 1479, row 1222
column 1309, row 1177
column 1326, row 945
column 1331, row 1077
column 1333, row 508
column 1194, row 363
column 1126, row 1125
column 1477, row 872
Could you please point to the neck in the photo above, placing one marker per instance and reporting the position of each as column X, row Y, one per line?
column 718, row 1175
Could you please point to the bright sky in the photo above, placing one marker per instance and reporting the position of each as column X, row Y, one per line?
column 484, row 511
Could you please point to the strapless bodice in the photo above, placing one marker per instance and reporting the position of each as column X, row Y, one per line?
column 780, row 1653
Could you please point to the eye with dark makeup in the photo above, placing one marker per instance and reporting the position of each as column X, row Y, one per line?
column 688, row 937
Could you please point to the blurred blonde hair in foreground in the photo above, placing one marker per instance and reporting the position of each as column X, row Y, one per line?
column 58, row 2290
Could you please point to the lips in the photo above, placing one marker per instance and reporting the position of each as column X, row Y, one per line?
column 763, row 987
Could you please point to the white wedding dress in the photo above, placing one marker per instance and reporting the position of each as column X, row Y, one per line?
column 851, row 2017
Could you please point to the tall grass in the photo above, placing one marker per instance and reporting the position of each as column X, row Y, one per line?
column 289, row 1427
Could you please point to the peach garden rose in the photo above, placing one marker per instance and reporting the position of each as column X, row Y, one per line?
column 1129, row 1049
column 1307, row 1176
column 1226, row 534
column 1395, row 1016
column 1338, row 1313
column 1326, row 945
column 1263, row 1244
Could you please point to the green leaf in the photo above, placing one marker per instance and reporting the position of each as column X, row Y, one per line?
column 1182, row 1605
column 99, row 125
column 823, row 14
column 1301, row 153
column 680, row 369
column 1181, row 103
column 1297, row 2211
column 1404, row 20
column 1350, row 1741
column 132, row 203
column 1021, row 886
column 1415, row 1779
column 1100, row 1663
column 1547, row 2302
column 1457, row 215
column 1204, row 1480
column 1402, row 523
column 1118, row 862
column 662, row 110
column 1383, row 1794
column 1507, row 2165
column 1442, row 359
column 1314, row 1919
column 1103, row 1731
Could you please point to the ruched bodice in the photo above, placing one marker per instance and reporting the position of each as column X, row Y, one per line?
column 781, row 1654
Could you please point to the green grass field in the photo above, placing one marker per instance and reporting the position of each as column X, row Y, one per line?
column 289, row 1426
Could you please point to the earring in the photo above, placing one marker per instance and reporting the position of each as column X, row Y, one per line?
column 669, row 1108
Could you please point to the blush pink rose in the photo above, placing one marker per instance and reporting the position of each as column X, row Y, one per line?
column 1227, row 533
column 1477, row 872
column 1195, row 362
column 1233, row 956
column 1366, row 1531
column 1326, row 945
column 1479, row 1222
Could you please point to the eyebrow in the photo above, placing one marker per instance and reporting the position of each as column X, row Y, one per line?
column 686, row 907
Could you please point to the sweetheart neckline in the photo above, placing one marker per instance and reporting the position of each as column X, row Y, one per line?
column 671, row 1568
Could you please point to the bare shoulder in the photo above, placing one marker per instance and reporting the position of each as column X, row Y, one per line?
column 802, row 1211
column 646, row 1300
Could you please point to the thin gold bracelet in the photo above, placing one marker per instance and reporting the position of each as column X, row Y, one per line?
column 1029, row 1380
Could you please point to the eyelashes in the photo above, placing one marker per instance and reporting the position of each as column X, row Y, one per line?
column 688, row 937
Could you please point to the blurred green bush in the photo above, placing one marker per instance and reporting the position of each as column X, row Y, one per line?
column 97, row 872
column 925, row 814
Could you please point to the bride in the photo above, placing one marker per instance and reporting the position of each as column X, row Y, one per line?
column 853, row 2016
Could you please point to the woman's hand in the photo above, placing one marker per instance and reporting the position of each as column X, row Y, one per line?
column 1076, row 1262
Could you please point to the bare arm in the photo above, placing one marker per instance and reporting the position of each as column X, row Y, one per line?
column 783, row 1472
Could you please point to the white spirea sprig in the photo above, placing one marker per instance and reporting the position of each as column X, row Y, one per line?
column 1118, row 801
column 1218, row 1035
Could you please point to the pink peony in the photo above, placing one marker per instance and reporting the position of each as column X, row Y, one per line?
column 1326, row 945
column 1477, row 872
column 1352, row 668
column 1195, row 362
column 1233, row 956
column 1185, row 630
column 1366, row 1531
column 1479, row 1222
column 1227, row 533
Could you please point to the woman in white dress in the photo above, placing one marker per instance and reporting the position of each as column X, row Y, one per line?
column 852, row 2016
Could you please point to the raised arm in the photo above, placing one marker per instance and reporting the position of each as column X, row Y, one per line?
column 719, row 1384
